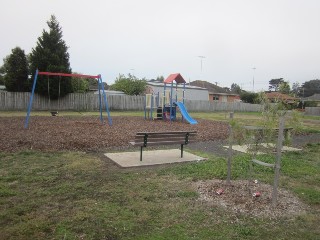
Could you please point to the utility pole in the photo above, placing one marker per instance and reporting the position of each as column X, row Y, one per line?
column 201, row 58
column 253, row 79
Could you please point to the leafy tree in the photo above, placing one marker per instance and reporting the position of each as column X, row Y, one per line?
column 310, row 87
column 275, row 84
column 50, row 54
column 2, row 72
column 249, row 97
column 235, row 88
column 79, row 84
column 295, row 88
column 160, row 79
column 130, row 85
column 15, row 69
column 284, row 87
column 1, row 80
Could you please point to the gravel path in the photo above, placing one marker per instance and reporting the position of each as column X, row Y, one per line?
column 216, row 146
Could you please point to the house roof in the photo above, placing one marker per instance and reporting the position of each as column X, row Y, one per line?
column 213, row 88
column 158, row 84
column 175, row 77
column 95, row 87
column 224, row 94
column 280, row 96
column 314, row 97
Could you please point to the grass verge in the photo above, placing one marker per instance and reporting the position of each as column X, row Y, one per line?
column 73, row 195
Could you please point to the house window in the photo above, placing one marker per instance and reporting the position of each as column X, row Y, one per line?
column 215, row 98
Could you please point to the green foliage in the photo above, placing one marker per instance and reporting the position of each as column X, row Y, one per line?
column 310, row 104
column 130, row 85
column 273, row 111
column 269, row 121
column 1, row 79
column 284, row 87
column 15, row 70
column 50, row 54
column 295, row 89
column 275, row 84
column 310, row 87
column 235, row 88
column 160, row 79
column 79, row 84
column 249, row 97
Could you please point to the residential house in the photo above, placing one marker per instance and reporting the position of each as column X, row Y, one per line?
column 217, row 93
column 277, row 96
column 314, row 98
column 191, row 92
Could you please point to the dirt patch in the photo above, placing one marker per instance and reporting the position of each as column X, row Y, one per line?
column 88, row 134
column 237, row 199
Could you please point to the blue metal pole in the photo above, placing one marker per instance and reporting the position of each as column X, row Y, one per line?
column 176, row 92
column 26, row 124
column 171, row 100
column 100, row 102
column 184, row 89
column 151, row 110
column 145, row 107
column 106, row 102
column 164, row 94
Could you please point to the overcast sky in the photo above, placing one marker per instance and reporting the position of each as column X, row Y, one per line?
column 280, row 38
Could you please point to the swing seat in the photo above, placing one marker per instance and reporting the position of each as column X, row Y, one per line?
column 54, row 113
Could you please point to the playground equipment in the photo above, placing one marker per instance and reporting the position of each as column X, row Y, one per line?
column 166, row 107
column 100, row 85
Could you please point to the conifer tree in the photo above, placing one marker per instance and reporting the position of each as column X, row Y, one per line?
column 51, row 55
column 15, row 70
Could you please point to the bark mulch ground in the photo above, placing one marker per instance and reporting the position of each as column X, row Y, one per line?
column 89, row 135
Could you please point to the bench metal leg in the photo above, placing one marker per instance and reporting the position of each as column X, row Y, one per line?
column 141, row 153
column 181, row 150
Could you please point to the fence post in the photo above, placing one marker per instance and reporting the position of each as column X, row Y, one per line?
column 230, row 150
column 278, row 163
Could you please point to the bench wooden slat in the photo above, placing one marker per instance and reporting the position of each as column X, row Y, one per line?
column 160, row 143
column 172, row 132
column 166, row 135
column 158, row 138
column 144, row 139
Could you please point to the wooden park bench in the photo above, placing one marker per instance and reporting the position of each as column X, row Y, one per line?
column 145, row 139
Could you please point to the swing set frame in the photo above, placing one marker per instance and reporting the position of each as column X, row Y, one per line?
column 100, row 87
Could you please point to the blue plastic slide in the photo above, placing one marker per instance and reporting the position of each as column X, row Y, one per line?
column 185, row 113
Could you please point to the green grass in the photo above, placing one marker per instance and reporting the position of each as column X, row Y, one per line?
column 74, row 195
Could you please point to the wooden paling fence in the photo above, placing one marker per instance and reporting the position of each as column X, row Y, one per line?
column 315, row 111
column 18, row 101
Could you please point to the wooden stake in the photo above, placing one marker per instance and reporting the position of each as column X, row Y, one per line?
column 278, row 162
column 230, row 151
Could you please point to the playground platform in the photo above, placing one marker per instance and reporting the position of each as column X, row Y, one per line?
column 156, row 157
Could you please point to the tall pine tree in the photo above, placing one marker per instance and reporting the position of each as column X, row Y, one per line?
column 51, row 55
